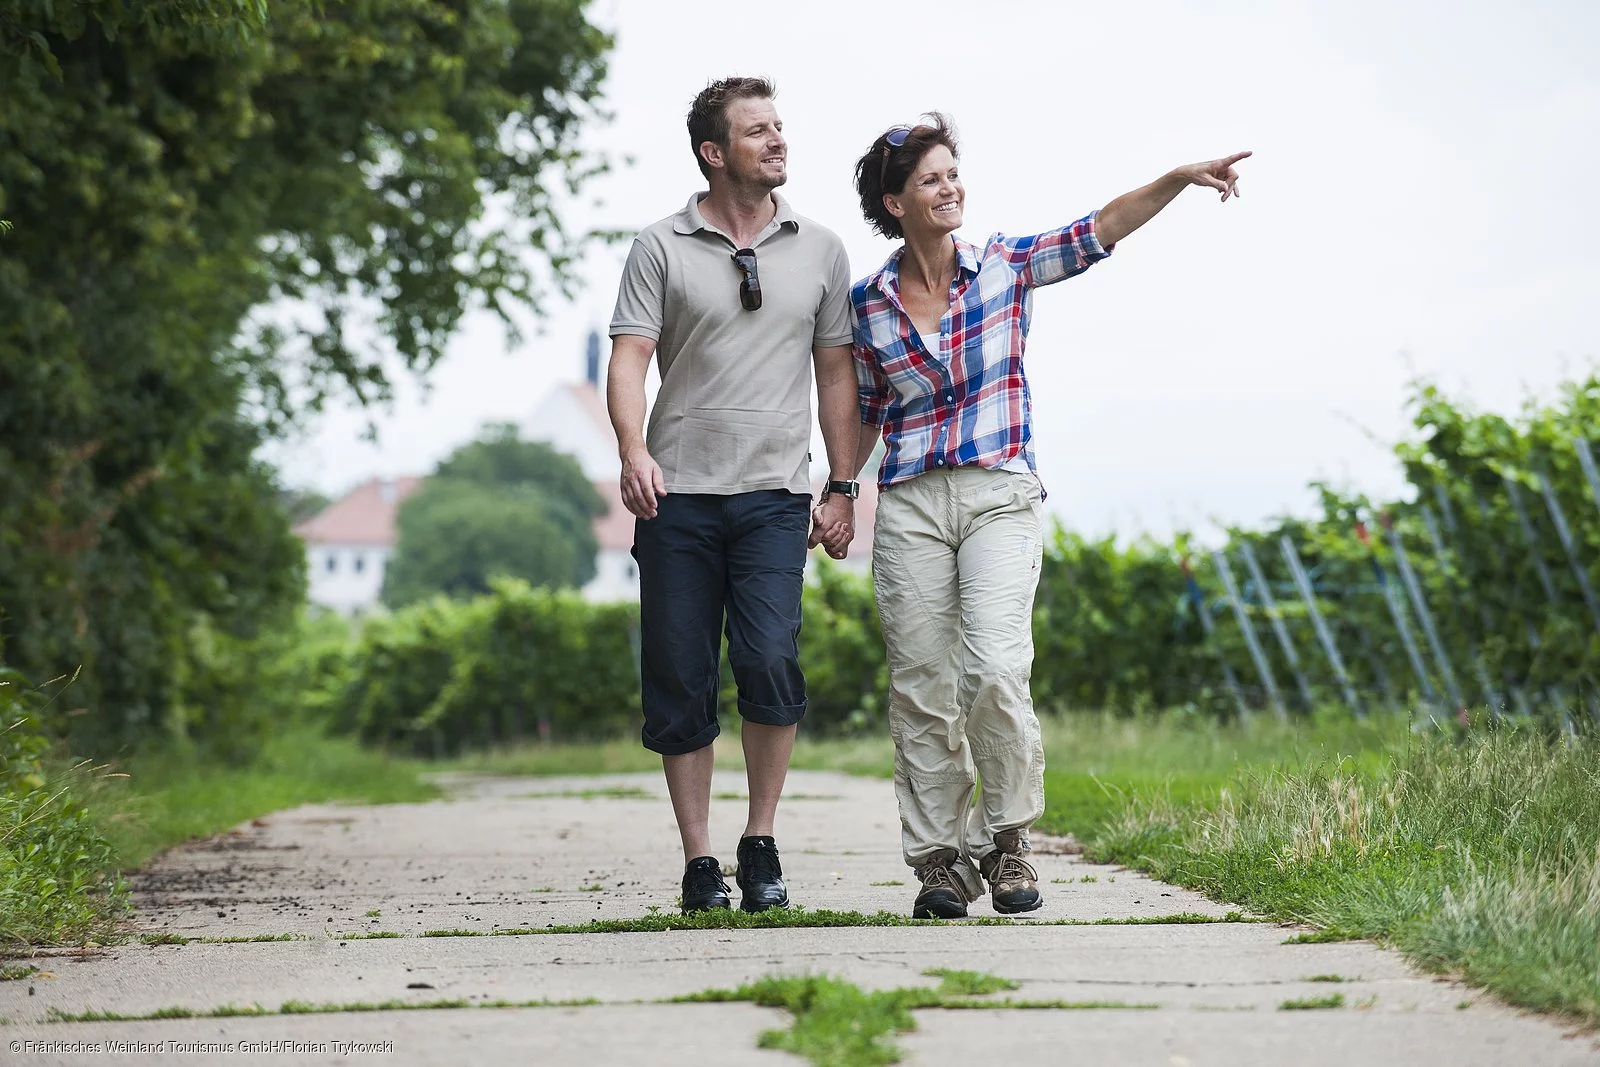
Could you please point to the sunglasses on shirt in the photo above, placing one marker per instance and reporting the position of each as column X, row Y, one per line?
column 750, row 283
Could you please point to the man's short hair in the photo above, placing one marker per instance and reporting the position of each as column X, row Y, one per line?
column 708, row 115
column 884, row 169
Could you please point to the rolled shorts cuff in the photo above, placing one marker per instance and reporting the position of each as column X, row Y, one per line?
column 774, row 715
column 678, row 748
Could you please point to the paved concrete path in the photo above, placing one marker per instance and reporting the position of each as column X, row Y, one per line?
column 529, row 853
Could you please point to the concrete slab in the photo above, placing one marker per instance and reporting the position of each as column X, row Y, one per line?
column 530, row 852
column 679, row 1035
column 1346, row 1038
column 606, row 847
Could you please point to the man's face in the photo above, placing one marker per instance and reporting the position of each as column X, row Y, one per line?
column 757, row 154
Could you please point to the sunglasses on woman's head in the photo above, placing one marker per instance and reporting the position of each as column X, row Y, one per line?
column 750, row 284
column 895, row 138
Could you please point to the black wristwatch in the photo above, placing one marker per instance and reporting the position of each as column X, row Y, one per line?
column 849, row 489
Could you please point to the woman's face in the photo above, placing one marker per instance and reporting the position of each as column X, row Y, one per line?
column 933, row 198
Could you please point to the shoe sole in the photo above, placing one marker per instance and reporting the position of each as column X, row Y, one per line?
column 923, row 912
column 1018, row 910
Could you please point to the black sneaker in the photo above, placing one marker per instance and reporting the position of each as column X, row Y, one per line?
column 941, row 896
column 760, row 875
column 703, row 887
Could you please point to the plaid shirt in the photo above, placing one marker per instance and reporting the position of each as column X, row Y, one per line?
column 966, row 404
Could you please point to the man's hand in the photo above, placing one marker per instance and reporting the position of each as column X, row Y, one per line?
column 642, row 483
column 833, row 525
column 1217, row 174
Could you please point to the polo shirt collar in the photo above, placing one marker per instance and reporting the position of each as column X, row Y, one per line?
column 689, row 220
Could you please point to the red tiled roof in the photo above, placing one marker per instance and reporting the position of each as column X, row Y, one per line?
column 363, row 516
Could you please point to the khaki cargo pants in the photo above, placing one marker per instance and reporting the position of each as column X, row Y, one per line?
column 955, row 562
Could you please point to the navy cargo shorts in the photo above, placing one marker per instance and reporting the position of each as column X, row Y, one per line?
column 708, row 564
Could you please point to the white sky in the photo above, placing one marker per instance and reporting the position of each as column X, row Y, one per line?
column 1419, row 204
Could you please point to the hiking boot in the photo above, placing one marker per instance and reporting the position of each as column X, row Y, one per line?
column 941, row 896
column 1013, row 884
column 703, row 887
column 760, row 875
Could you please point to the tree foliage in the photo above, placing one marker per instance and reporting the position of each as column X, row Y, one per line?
column 498, row 506
column 216, row 205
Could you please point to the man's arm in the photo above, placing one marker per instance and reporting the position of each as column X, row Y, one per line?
column 642, row 481
column 834, row 522
column 1131, row 210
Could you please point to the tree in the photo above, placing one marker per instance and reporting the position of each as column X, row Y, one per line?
column 174, row 168
column 498, row 506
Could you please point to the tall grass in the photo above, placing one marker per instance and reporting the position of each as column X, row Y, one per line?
column 1478, row 856
column 1097, row 764
column 57, row 884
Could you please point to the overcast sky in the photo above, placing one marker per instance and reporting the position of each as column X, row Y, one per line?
column 1419, row 204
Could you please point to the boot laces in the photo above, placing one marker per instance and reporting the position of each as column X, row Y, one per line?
column 939, row 876
column 703, row 879
column 761, row 865
column 1013, row 868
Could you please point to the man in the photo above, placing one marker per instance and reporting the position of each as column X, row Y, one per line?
column 737, row 297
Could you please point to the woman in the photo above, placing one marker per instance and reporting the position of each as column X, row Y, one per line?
column 940, row 332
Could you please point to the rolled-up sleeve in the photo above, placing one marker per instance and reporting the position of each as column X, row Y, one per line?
column 872, row 386
column 1056, row 255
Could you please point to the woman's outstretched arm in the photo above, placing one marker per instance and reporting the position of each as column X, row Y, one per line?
column 1131, row 210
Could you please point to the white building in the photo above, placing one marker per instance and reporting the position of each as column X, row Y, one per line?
column 348, row 544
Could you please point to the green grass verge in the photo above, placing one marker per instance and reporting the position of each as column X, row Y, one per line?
column 1476, row 856
column 92, row 822
column 869, row 756
column 838, row 1024
column 176, row 794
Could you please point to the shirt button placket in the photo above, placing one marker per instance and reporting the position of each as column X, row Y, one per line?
column 949, row 396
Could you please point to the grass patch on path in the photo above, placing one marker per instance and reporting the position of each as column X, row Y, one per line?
column 1332, row 1000
column 803, row 918
column 838, row 1024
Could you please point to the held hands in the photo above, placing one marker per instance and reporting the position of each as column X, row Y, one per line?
column 833, row 525
column 642, row 483
column 1217, row 174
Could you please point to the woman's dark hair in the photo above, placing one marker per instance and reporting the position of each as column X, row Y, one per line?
column 708, row 115
column 885, row 168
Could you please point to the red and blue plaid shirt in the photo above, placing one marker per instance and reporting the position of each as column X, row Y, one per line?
column 967, row 404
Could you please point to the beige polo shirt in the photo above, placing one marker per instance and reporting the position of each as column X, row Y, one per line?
column 734, row 411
